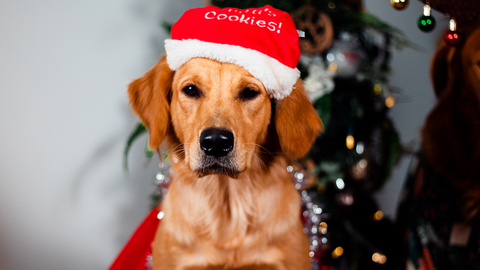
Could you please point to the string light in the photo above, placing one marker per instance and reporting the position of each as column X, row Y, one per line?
column 377, row 89
column 332, row 67
column 379, row 258
column 360, row 147
column 340, row 183
column 390, row 101
column 350, row 142
column 337, row 252
column 378, row 215
column 323, row 227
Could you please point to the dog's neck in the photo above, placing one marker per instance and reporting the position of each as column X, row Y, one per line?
column 450, row 137
column 231, row 212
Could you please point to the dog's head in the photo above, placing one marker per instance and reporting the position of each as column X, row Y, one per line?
column 456, row 70
column 218, row 117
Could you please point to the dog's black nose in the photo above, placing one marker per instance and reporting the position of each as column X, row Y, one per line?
column 216, row 142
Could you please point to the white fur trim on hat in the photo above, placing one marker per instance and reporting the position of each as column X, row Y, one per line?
column 277, row 78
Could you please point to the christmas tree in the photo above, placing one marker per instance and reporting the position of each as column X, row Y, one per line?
column 345, row 68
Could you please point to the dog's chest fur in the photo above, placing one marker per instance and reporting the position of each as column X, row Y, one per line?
column 224, row 220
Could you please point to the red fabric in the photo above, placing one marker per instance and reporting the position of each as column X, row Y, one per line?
column 134, row 255
column 267, row 30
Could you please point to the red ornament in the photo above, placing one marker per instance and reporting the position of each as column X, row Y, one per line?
column 451, row 36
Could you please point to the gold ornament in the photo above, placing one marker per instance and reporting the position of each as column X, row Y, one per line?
column 399, row 4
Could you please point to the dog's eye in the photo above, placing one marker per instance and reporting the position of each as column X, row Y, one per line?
column 191, row 91
column 248, row 94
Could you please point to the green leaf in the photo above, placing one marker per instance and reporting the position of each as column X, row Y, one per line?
column 148, row 152
column 323, row 107
column 139, row 130
column 167, row 26
column 390, row 151
column 361, row 20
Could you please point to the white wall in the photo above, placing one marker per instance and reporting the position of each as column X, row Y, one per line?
column 411, row 75
column 64, row 66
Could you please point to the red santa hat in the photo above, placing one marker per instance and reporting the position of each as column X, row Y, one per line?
column 264, row 41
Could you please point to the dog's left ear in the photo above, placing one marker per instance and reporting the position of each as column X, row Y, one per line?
column 149, row 98
column 297, row 123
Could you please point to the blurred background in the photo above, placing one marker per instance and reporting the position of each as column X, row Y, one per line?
column 65, row 201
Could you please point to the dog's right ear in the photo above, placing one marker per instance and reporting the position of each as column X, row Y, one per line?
column 149, row 98
column 297, row 123
column 439, row 68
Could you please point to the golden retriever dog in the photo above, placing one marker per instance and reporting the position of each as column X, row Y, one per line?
column 231, row 203
column 438, row 217
column 451, row 135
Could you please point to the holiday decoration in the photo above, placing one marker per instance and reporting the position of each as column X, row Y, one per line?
column 162, row 181
column 399, row 4
column 426, row 22
column 319, row 81
column 463, row 14
column 136, row 254
column 224, row 35
column 317, row 27
column 344, row 63
column 343, row 58
column 451, row 36
column 466, row 11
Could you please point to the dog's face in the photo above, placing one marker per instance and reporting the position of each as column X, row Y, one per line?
column 220, row 114
column 217, row 116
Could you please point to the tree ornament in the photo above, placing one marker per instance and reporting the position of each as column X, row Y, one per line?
column 344, row 57
column 466, row 11
column 319, row 81
column 426, row 22
column 399, row 4
column 451, row 36
column 318, row 29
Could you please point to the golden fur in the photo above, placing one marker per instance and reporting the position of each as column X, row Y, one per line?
column 247, row 217
column 451, row 135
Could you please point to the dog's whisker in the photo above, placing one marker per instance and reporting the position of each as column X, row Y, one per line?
column 262, row 148
column 265, row 150
column 258, row 158
column 178, row 150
